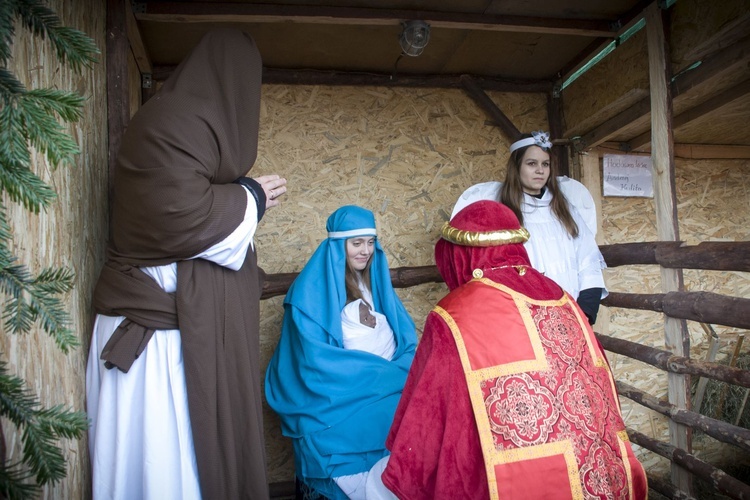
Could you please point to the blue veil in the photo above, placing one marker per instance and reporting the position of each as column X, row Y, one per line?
column 337, row 405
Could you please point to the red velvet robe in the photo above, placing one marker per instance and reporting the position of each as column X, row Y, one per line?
column 509, row 397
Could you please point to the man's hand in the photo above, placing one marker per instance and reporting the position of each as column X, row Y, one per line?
column 274, row 187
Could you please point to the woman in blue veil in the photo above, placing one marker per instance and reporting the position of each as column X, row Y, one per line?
column 345, row 349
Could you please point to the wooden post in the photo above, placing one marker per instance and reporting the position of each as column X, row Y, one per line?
column 662, row 158
column 118, row 100
column 559, row 153
column 713, row 348
column 591, row 177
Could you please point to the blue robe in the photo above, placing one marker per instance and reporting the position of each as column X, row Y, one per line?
column 337, row 405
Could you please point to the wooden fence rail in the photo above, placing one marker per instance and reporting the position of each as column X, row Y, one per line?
column 402, row 277
column 709, row 255
column 720, row 480
column 667, row 489
column 675, row 364
column 722, row 431
column 704, row 307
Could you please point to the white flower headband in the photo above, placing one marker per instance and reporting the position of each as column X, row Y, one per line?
column 540, row 139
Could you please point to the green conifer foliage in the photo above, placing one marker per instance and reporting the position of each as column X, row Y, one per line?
column 32, row 119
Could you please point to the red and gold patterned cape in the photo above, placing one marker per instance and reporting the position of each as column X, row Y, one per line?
column 538, row 391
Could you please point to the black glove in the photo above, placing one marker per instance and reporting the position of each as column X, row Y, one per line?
column 589, row 300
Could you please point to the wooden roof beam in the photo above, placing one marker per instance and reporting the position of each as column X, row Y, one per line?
column 225, row 12
column 136, row 41
column 719, row 62
column 485, row 102
column 622, row 25
column 687, row 151
column 316, row 77
column 709, row 106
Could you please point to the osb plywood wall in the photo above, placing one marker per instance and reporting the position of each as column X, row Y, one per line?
column 713, row 204
column 71, row 233
column 405, row 154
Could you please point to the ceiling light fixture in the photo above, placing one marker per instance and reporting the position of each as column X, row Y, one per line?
column 414, row 37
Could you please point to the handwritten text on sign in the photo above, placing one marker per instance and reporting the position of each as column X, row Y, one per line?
column 626, row 175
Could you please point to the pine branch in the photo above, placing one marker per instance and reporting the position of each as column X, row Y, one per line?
column 32, row 119
column 33, row 299
column 71, row 46
column 5, row 232
column 48, row 309
column 42, row 427
column 13, row 144
column 14, row 483
column 17, row 404
column 9, row 86
column 67, row 105
column 43, row 131
column 7, row 20
column 23, row 186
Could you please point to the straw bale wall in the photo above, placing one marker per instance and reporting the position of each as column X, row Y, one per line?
column 71, row 233
column 405, row 154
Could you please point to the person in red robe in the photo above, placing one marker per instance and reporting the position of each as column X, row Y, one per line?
column 510, row 394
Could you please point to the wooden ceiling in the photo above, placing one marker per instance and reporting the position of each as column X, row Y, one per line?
column 518, row 45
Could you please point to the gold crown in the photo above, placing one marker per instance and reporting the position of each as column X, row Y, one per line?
column 483, row 238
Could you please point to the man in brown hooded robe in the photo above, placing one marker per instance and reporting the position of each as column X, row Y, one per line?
column 173, row 379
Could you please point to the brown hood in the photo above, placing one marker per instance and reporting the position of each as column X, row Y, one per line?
column 173, row 196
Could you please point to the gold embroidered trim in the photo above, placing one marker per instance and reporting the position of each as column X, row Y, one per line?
column 622, row 439
column 483, row 238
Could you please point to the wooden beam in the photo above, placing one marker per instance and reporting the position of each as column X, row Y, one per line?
column 118, row 100
column 727, row 59
column 623, row 24
column 559, row 153
column 710, row 151
column 709, row 255
column 722, row 431
column 715, row 103
column 716, row 255
column 724, row 60
column 666, row 489
column 676, row 338
column 729, row 33
column 665, row 360
column 353, row 78
column 504, row 123
column 614, row 108
column 226, row 12
column 401, row 277
column 688, row 151
column 136, row 41
column 720, row 480
column 704, row 307
column 610, row 127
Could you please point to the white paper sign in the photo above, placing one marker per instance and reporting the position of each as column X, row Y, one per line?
column 627, row 175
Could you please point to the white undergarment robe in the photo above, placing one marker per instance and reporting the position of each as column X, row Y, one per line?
column 140, row 439
column 381, row 342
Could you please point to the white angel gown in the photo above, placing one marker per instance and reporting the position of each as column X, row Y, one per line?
column 573, row 263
